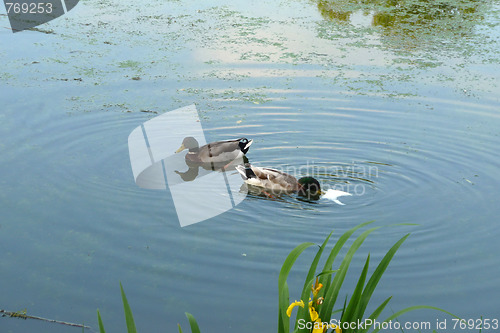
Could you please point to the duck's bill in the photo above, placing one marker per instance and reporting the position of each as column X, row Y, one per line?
column 181, row 148
column 248, row 144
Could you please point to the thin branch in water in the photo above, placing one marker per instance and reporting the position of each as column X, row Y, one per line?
column 23, row 315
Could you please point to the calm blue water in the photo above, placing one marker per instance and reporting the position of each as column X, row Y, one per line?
column 414, row 144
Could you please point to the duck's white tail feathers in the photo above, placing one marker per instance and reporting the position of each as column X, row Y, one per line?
column 243, row 171
column 334, row 194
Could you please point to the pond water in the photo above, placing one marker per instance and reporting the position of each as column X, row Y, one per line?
column 398, row 105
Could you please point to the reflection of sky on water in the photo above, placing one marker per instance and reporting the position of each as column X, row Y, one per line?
column 235, row 42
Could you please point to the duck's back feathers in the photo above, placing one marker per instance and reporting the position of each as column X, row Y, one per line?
column 224, row 150
column 217, row 152
column 272, row 179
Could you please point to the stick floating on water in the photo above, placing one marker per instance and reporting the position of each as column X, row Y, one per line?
column 22, row 315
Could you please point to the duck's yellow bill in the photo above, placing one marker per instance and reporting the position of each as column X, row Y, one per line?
column 181, row 148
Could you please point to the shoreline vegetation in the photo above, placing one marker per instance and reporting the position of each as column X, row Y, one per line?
column 321, row 291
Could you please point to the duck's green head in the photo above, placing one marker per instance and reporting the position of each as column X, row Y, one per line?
column 309, row 187
column 188, row 143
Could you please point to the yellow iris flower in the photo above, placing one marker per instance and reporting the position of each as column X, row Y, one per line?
column 312, row 312
column 318, row 325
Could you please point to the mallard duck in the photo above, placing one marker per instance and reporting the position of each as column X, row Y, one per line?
column 279, row 181
column 215, row 152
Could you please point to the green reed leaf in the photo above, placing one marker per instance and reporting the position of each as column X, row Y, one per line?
column 412, row 308
column 335, row 251
column 376, row 313
column 333, row 289
column 283, row 296
column 129, row 318
column 327, row 272
column 99, row 320
column 193, row 323
column 375, row 278
column 283, row 321
column 303, row 313
column 347, row 316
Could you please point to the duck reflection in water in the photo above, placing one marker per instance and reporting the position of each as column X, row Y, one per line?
column 219, row 155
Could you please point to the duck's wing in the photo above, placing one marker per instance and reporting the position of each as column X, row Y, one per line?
column 224, row 150
column 274, row 179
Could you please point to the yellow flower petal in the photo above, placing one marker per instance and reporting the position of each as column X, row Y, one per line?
column 314, row 315
column 294, row 304
column 318, row 326
column 337, row 328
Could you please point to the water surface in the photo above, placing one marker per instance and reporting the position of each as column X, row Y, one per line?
column 403, row 115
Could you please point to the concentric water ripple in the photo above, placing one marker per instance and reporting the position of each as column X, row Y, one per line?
column 400, row 166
